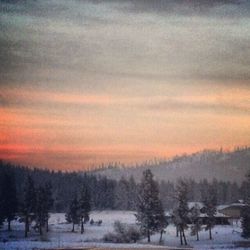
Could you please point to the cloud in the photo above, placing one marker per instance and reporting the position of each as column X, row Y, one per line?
column 204, row 7
column 228, row 102
column 18, row 97
column 70, row 157
column 46, row 42
column 220, row 108
column 108, row 73
column 235, row 103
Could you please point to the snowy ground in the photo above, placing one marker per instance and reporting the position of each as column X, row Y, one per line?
column 60, row 235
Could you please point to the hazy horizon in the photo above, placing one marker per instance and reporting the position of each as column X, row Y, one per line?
column 153, row 162
column 90, row 82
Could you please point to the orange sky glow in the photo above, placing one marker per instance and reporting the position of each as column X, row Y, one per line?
column 84, row 83
column 52, row 131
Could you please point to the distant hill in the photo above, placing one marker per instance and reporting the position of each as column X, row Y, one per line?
column 227, row 166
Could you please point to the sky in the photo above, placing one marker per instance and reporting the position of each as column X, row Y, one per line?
column 85, row 82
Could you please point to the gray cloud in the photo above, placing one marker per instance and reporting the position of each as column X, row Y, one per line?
column 46, row 42
column 181, row 6
column 201, row 106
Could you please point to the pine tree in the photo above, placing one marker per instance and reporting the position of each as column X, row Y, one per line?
column 150, row 213
column 41, row 211
column 8, row 198
column 196, row 221
column 245, row 221
column 73, row 216
column 29, row 203
column 48, row 202
column 1, row 201
column 44, row 203
column 210, row 203
column 122, row 195
column 132, row 194
column 161, row 220
column 1, row 208
column 181, row 212
column 176, row 220
column 84, row 206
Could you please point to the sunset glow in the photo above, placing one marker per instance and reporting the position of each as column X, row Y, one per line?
column 86, row 82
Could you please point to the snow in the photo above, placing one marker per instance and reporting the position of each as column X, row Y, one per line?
column 60, row 234
column 233, row 205
column 192, row 204
column 217, row 214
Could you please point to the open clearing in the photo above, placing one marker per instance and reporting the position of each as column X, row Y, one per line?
column 60, row 235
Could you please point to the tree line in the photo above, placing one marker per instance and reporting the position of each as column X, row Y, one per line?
column 35, row 198
column 151, row 216
column 35, row 205
column 111, row 194
column 79, row 208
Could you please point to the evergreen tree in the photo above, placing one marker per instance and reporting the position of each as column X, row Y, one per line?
column 84, row 206
column 8, row 198
column 181, row 212
column 245, row 221
column 122, row 195
column 44, row 203
column 196, row 221
column 167, row 194
column 150, row 213
column 1, row 209
column 210, row 204
column 162, row 222
column 104, row 194
column 41, row 211
column 73, row 216
column 176, row 220
column 132, row 194
column 29, row 203
column 1, row 217
column 48, row 202
column 1, row 199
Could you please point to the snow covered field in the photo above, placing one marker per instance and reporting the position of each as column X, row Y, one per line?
column 60, row 234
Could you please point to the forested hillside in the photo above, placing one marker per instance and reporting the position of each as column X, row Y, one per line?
column 225, row 166
column 106, row 193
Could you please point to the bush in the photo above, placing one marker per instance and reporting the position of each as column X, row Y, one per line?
column 112, row 237
column 245, row 222
column 44, row 237
column 123, row 233
column 134, row 233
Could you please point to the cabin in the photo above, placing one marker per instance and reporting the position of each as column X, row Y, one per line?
column 195, row 204
column 233, row 210
column 220, row 218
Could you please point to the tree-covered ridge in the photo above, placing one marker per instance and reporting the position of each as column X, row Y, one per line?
column 113, row 194
column 31, row 194
column 208, row 164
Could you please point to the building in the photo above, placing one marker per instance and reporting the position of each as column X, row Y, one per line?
column 233, row 210
column 220, row 218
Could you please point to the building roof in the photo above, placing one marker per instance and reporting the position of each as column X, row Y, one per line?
column 235, row 205
column 193, row 204
column 217, row 215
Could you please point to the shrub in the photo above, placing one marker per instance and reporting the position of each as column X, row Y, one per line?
column 44, row 237
column 123, row 233
column 134, row 233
